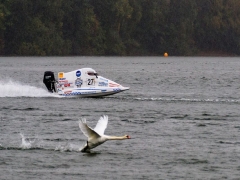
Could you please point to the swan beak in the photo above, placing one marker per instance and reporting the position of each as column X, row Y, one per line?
column 128, row 137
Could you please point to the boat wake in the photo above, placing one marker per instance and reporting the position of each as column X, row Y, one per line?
column 16, row 89
column 189, row 100
column 174, row 99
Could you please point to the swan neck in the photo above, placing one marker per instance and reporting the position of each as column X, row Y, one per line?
column 116, row 137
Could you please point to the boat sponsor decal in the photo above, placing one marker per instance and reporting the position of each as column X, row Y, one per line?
column 78, row 73
column 117, row 90
column 67, row 85
column 64, row 83
column 61, row 82
column 60, row 75
column 90, row 82
column 77, row 93
column 103, row 79
column 103, row 84
column 92, row 92
column 67, row 92
column 113, row 84
column 61, row 79
column 78, row 82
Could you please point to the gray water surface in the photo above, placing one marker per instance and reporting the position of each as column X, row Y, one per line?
column 182, row 114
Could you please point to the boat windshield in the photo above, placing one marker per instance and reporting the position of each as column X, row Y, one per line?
column 91, row 73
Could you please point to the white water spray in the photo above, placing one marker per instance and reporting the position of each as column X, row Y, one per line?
column 16, row 89
column 28, row 143
column 25, row 144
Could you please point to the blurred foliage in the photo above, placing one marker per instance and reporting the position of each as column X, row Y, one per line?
column 118, row 27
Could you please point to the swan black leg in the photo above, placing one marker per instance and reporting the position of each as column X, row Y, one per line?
column 86, row 148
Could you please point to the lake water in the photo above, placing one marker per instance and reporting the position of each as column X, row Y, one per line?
column 181, row 112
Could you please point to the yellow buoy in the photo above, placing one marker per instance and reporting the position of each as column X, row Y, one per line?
column 165, row 54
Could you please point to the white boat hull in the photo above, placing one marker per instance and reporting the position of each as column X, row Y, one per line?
column 83, row 82
column 93, row 92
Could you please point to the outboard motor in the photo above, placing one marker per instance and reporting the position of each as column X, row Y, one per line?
column 49, row 81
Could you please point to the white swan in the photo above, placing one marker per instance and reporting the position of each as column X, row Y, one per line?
column 96, row 136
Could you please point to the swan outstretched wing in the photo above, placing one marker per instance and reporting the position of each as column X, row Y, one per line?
column 87, row 131
column 101, row 125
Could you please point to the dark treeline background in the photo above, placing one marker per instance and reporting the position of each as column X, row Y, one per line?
column 118, row 27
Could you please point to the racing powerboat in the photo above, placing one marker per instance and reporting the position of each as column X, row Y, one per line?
column 83, row 82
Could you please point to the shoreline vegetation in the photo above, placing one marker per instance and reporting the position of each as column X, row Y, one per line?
column 119, row 28
column 216, row 54
column 200, row 54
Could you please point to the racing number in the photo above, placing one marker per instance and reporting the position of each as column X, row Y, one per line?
column 90, row 81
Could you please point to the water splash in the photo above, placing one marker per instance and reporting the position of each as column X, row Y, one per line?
column 28, row 143
column 67, row 147
column 10, row 88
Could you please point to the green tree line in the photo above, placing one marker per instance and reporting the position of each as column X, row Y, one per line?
column 118, row 27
